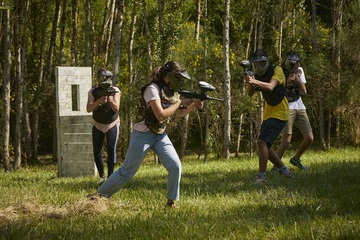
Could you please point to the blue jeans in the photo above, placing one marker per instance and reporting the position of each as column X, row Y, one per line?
column 139, row 146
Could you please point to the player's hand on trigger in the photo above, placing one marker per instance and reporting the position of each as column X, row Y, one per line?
column 199, row 104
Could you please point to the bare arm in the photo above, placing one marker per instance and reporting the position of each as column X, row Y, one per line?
column 92, row 105
column 267, row 86
column 302, row 86
column 160, row 113
column 115, row 101
column 182, row 112
column 250, row 89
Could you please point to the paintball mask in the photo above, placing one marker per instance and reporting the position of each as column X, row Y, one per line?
column 104, row 78
column 177, row 79
column 260, row 62
column 292, row 58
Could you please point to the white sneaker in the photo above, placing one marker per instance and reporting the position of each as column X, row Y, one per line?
column 259, row 180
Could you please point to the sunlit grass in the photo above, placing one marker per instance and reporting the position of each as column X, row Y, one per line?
column 218, row 201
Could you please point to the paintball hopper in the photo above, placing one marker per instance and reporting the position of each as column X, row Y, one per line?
column 204, row 87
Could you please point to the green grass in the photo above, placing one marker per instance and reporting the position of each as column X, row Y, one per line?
column 218, row 201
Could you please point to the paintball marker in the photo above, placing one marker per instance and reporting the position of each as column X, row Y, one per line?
column 108, row 91
column 204, row 87
column 246, row 65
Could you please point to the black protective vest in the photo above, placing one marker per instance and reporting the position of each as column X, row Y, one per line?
column 103, row 114
column 292, row 89
column 275, row 96
column 147, row 113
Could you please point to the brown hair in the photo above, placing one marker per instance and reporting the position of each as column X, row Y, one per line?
column 160, row 72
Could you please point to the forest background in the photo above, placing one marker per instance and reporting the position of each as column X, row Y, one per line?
column 209, row 38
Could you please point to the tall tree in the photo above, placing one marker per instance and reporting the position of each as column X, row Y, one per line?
column 161, row 31
column 130, row 60
column 148, row 37
column 62, row 32
column 39, row 80
column 316, row 53
column 185, row 122
column 109, row 32
column 337, row 28
column 6, row 45
column 74, row 35
column 27, row 140
column 49, row 66
column 227, row 80
column 87, row 51
column 19, row 51
column 120, row 11
column 205, row 79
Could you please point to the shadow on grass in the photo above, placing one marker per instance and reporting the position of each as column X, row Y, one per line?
column 324, row 192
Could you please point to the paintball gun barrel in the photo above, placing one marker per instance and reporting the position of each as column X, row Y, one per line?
column 204, row 87
column 110, row 91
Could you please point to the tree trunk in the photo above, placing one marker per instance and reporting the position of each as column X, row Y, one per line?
column 227, row 80
column 161, row 32
column 130, row 62
column 328, row 143
column 74, row 15
column 205, row 79
column 185, row 122
column 321, row 123
column 148, row 38
column 49, row 69
column 262, row 26
column 198, row 17
column 26, row 126
column 316, row 53
column 109, row 34
column 243, row 93
column 337, row 29
column 105, row 25
column 39, row 83
column 117, row 38
column 62, row 32
column 6, row 106
column 87, row 51
column 19, row 81
column 313, row 17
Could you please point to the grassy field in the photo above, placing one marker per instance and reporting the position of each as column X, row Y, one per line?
column 218, row 201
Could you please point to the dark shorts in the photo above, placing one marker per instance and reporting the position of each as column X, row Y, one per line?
column 270, row 130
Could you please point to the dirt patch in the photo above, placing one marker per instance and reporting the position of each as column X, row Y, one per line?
column 81, row 207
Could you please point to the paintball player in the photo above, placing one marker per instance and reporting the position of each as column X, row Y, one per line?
column 295, row 88
column 270, row 80
column 104, row 103
column 160, row 101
